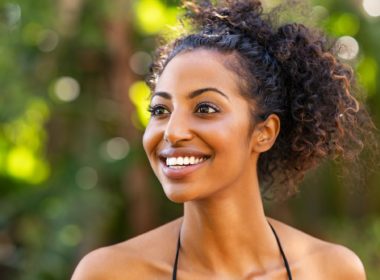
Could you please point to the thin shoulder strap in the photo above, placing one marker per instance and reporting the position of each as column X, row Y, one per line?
column 176, row 257
column 282, row 253
column 174, row 274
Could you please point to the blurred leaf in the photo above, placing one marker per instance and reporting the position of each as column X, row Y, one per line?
column 344, row 24
column 139, row 94
column 368, row 73
column 152, row 16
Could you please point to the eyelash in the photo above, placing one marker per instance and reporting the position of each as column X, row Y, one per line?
column 209, row 105
column 153, row 109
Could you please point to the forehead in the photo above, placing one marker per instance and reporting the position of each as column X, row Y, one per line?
column 198, row 69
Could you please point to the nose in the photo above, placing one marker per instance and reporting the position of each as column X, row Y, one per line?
column 177, row 129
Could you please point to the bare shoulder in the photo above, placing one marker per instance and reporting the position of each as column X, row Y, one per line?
column 313, row 258
column 339, row 262
column 151, row 253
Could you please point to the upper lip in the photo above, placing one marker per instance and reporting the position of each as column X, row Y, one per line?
column 181, row 152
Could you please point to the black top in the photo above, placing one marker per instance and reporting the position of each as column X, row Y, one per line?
column 278, row 243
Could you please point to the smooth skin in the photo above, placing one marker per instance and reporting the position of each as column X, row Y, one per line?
column 198, row 109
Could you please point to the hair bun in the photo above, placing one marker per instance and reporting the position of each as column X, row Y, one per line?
column 234, row 17
column 291, row 39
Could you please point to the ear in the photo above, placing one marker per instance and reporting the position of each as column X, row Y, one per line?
column 265, row 134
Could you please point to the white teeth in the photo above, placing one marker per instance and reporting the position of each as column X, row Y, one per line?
column 186, row 160
column 181, row 161
column 177, row 166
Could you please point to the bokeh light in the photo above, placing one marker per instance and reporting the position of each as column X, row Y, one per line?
column 66, row 89
column 37, row 111
column 22, row 141
column 372, row 7
column 47, row 40
column 22, row 163
column 346, row 24
column 140, row 62
column 70, row 235
column 152, row 16
column 348, row 47
column 320, row 12
column 86, row 178
column 54, row 207
column 31, row 33
column 139, row 94
column 12, row 14
column 115, row 149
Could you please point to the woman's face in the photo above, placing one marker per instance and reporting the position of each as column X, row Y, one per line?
column 197, row 140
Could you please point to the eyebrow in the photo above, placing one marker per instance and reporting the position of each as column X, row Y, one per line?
column 192, row 94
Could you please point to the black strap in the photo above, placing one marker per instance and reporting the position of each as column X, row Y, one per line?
column 176, row 256
column 282, row 253
column 277, row 240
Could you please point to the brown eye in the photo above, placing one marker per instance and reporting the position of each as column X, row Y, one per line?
column 205, row 108
column 158, row 110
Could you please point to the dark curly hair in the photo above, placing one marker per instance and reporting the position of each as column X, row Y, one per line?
column 288, row 70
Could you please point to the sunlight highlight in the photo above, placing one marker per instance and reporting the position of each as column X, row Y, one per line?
column 372, row 7
column 139, row 94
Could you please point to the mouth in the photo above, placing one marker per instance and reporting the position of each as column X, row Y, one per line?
column 179, row 164
column 182, row 162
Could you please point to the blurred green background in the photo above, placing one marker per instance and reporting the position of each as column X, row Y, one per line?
column 73, row 174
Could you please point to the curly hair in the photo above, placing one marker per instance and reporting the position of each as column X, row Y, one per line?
column 288, row 70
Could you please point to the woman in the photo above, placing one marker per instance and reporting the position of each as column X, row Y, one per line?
column 236, row 105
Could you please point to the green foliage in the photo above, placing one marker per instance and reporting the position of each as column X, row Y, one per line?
column 152, row 16
column 139, row 93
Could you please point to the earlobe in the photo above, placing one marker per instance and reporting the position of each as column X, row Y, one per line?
column 265, row 134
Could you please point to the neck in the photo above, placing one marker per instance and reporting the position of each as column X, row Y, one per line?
column 228, row 233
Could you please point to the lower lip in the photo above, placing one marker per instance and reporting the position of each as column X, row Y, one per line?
column 180, row 173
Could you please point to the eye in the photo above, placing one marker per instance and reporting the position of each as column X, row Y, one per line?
column 158, row 110
column 206, row 108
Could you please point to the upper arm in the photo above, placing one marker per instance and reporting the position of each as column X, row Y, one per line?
column 88, row 268
column 353, row 266
column 112, row 262
column 341, row 263
column 91, row 266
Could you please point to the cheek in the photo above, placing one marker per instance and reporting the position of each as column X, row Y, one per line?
column 228, row 138
column 146, row 141
column 151, row 139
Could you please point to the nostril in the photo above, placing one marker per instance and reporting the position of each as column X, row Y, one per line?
column 174, row 134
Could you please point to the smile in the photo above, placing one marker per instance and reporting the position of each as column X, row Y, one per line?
column 181, row 168
column 181, row 162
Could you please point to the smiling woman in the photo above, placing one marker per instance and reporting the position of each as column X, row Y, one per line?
column 201, row 108
column 239, row 106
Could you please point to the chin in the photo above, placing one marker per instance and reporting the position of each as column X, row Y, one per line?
column 178, row 196
column 177, row 199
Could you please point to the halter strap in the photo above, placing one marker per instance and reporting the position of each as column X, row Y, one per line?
column 282, row 253
column 175, row 266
